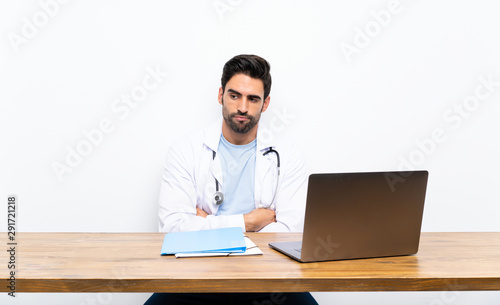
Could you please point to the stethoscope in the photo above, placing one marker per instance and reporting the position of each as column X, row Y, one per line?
column 218, row 197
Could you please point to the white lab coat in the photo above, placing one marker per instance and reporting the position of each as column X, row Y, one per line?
column 189, row 177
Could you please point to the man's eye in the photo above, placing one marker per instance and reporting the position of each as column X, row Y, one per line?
column 233, row 96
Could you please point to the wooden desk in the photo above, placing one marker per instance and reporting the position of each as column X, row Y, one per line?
column 122, row 262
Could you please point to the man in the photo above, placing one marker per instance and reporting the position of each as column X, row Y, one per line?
column 234, row 173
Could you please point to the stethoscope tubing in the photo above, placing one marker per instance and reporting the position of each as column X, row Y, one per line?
column 218, row 197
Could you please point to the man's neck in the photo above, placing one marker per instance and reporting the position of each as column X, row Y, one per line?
column 238, row 138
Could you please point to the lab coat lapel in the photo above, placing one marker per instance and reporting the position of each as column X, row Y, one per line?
column 211, row 140
column 217, row 171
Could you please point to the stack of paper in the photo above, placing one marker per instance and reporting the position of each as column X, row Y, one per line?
column 252, row 249
column 215, row 242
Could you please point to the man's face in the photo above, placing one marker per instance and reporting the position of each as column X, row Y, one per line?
column 243, row 102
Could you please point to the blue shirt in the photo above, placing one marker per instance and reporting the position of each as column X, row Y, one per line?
column 238, row 174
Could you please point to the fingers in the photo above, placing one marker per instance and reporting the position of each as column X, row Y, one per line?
column 259, row 218
column 200, row 212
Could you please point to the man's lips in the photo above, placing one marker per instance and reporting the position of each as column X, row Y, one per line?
column 241, row 118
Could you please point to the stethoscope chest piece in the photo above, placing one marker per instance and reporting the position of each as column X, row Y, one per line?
column 218, row 198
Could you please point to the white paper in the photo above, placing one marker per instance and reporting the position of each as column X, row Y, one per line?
column 252, row 249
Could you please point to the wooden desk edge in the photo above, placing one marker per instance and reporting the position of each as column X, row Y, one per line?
column 256, row 285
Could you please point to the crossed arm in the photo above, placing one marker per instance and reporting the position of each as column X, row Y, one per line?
column 254, row 221
column 178, row 193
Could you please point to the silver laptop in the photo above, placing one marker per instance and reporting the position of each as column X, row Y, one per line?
column 360, row 215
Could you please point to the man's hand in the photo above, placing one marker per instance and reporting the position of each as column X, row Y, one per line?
column 200, row 212
column 258, row 218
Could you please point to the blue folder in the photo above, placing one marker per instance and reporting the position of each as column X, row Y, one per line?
column 205, row 241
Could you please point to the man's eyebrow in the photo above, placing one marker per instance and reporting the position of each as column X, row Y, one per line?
column 233, row 91
column 252, row 96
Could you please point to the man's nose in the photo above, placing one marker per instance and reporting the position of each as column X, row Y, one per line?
column 243, row 105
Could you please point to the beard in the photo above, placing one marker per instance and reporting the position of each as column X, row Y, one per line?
column 239, row 127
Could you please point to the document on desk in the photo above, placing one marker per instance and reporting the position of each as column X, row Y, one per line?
column 252, row 249
column 205, row 241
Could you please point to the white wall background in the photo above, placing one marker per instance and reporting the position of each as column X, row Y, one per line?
column 66, row 66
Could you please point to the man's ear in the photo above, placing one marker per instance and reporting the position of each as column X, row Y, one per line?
column 266, row 103
column 221, row 92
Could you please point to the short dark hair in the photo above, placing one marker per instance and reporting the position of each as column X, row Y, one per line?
column 250, row 65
